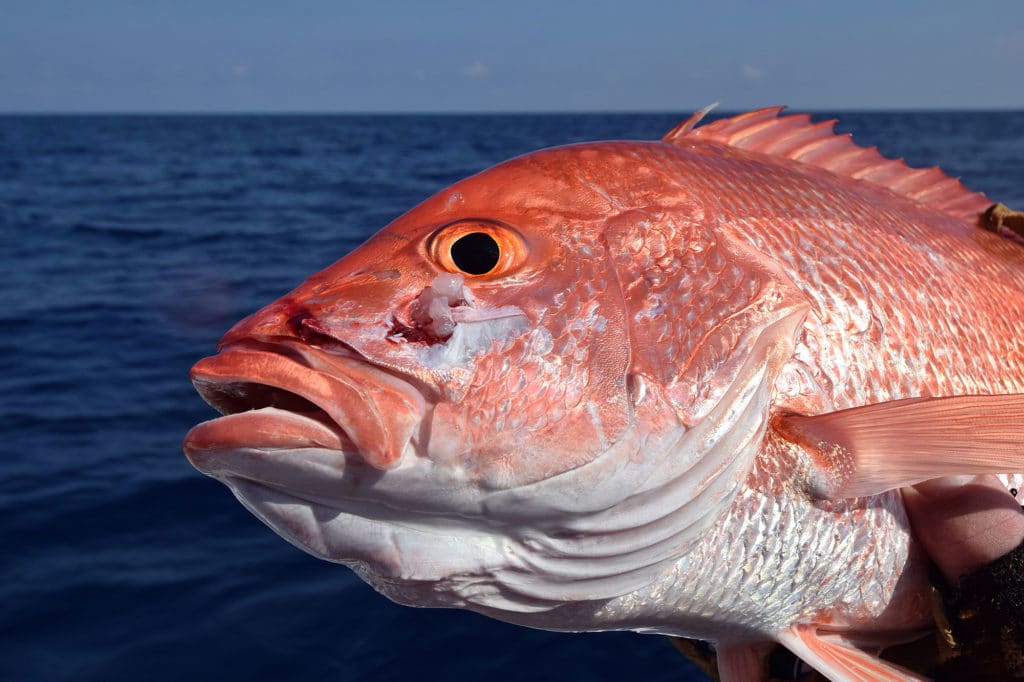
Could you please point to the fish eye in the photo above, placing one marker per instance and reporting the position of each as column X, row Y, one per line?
column 477, row 248
column 475, row 253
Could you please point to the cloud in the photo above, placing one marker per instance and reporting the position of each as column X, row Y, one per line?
column 752, row 73
column 476, row 70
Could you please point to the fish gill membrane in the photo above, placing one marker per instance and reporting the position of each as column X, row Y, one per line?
column 592, row 434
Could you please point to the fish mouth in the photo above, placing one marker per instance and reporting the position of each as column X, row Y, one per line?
column 305, row 438
column 291, row 397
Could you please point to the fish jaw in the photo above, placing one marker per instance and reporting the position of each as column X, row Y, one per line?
column 292, row 456
column 299, row 445
column 302, row 431
column 334, row 399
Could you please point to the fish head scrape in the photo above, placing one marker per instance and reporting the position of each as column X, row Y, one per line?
column 534, row 390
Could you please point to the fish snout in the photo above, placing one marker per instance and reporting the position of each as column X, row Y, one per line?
column 276, row 396
column 282, row 319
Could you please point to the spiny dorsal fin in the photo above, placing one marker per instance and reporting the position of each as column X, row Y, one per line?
column 796, row 137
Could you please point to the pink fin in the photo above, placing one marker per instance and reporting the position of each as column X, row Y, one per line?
column 868, row 450
column 690, row 123
column 838, row 659
column 743, row 661
column 796, row 137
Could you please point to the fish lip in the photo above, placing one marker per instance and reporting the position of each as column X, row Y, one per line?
column 217, row 447
column 317, row 399
column 215, row 377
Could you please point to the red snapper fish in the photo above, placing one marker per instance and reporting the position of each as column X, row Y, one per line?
column 671, row 387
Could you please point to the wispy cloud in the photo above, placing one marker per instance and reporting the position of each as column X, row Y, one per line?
column 752, row 73
column 476, row 70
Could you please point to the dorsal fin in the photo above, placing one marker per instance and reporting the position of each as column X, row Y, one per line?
column 796, row 137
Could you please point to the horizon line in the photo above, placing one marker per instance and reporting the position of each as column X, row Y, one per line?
column 486, row 112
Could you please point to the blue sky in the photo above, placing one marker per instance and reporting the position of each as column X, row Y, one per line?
column 515, row 55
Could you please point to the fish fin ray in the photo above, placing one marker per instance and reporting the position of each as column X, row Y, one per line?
column 796, row 137
column 870, row 449
column 689, row 124
column 743, row 661
column 840, row 660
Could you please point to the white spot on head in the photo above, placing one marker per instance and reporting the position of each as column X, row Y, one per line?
column 460, row 329
column 453, row 199
column 432, row 310
column 475, row 332
column 448, row 284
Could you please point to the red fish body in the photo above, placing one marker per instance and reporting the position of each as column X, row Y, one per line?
column 567, row 392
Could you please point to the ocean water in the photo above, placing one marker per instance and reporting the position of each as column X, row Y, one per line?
column 128, row 245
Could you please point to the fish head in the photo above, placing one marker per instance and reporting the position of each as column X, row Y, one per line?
column 494, row 304
column 460, row 409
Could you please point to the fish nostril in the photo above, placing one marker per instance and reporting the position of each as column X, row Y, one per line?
column 304, row 326
column 315, row 333
column 274, row 321
column 297, row 321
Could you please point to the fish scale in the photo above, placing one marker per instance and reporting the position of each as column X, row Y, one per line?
column 772, row 559
column 955, row 298
column 682, row 400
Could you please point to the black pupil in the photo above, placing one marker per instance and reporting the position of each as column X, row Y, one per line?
column 475, row 253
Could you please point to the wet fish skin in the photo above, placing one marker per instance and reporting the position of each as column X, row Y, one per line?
column 587, row 436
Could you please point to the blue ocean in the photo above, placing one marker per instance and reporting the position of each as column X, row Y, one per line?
column 128, row 245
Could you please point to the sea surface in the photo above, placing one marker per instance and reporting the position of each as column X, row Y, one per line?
column 128, row 245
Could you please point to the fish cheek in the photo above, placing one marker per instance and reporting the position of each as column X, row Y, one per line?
column 553, row 399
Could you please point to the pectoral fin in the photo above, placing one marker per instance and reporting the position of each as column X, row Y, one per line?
column 868, row 450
